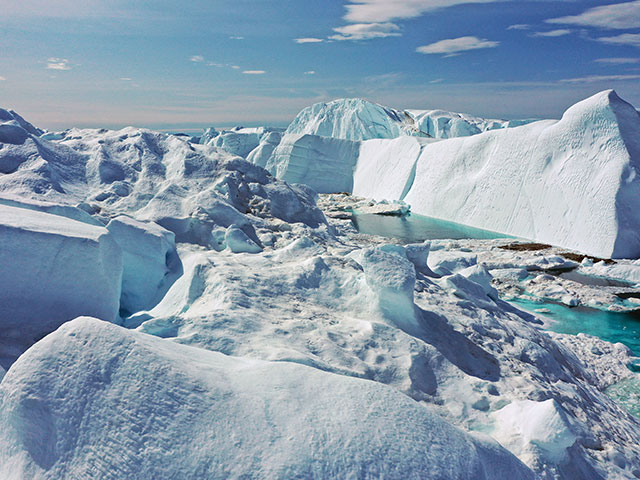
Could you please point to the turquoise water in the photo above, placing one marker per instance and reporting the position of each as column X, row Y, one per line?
column 609, row 326
column 416, row 228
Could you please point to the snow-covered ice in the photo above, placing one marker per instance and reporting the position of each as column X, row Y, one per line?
column 94, row 400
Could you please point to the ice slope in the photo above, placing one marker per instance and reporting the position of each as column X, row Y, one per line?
column 93, row 400
column 572, row 183
column 380, row 314
column 53, row 269
column 325, row 164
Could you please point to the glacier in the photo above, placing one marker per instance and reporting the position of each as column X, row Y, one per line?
column 249, row 334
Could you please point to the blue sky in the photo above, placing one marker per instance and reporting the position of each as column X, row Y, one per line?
column 179, row 65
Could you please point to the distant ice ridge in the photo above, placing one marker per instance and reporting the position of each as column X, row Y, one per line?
column 94, row 399
column 357, row 119
column 572, row 183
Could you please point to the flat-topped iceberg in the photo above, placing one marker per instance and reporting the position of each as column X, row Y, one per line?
column 572, row 183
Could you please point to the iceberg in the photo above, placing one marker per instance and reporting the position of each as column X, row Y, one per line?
column 572, row 183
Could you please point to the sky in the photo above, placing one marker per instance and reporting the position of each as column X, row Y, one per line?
column 186, row 65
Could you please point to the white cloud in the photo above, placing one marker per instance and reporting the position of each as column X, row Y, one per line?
column 437, row 80
column 376, row 11
column 453, row 46
column 235, row 67
column 236, row 37
column 58, row 64
column 617, row 61
column 215, row 64
column 310, row 72
column 254, row 72
column 126, row 79
column 366, row 31
column 632, row 39
column 600, row 78
column 197, row 58
column 616, row 16
column 308, row 40
column 519, row 26
column 2, row 79
column 552, row 33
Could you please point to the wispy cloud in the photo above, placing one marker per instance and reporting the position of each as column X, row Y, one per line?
column 2, row 79
column 617, row 61
column 235, row 67
column 236, row 37
column 308, row 40
column 366, row 31
column 552, row 33
column 378, row 11
column 58, row 64
column 126, row 79
column 600, row 78
column 519, row 26
column 454, row 46
column 437, row 80
column 197, row 58
column 254, row 72
column 310, row 72
column 616, row 16
column 632, row 39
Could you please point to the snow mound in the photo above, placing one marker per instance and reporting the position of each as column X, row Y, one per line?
column 572, row 183
column 540, row 426
column 150, row 262
column 351, row 119
column 53, row 270
column 164, row 410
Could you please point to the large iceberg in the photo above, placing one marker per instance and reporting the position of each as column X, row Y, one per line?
column 572, row 183
column 94, row 400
